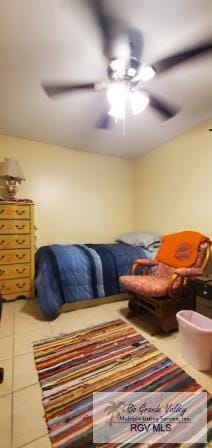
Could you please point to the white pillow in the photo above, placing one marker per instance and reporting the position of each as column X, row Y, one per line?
column 144, row 239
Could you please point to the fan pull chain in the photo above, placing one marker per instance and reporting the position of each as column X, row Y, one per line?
column 124, row 125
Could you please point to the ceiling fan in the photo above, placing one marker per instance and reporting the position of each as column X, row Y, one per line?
column 126, row 74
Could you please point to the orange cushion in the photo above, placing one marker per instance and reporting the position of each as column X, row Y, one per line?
column 146, row 285
column 180, row 249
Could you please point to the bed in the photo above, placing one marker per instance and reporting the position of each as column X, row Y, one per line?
column 76, row 273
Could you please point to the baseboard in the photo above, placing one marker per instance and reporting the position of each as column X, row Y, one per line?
column 93, row 302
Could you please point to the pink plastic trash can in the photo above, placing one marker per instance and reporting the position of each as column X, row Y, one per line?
column 195, row 338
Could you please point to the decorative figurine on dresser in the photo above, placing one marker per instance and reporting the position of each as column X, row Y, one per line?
column 16, row 238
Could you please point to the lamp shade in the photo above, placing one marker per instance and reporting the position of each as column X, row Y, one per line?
column 11, row 168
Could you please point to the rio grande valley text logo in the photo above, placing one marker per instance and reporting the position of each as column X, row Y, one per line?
column 150, row 417
column 144, row 418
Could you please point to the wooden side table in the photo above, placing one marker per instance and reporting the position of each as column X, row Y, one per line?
column 202, row 294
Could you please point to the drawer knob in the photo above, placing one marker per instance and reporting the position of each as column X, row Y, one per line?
column 2, row 242
column 19, row 256
column 2, row 271
column 19, row 271
column 20, row 286
column 19, row 227
column 2, row 257
column 20, row 241
column 204, row 292
column 20, row 212
column 1, row 211
column 6, row 288
column 2, row 226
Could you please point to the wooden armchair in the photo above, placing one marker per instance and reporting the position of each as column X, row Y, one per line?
column 162, row 290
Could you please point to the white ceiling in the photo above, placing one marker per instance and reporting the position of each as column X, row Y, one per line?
column 59, row 40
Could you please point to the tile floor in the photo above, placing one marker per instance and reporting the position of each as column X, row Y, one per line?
column 22, row 422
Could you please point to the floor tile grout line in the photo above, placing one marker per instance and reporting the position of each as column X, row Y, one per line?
column 22, row 354
column 34, row 440
column 8, row 336
column 6, row 395
column 6, row 359
column 26, row 387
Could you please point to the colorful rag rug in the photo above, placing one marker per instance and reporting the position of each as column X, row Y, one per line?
column 112, row 357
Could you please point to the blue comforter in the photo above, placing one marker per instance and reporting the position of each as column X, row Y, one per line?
column 70, row 273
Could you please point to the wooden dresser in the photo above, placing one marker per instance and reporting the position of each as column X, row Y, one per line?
column 16, row 250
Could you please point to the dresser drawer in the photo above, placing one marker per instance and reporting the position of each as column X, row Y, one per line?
column 13, row 296
column 13, row 271
column 14, row 285
column 14, row 256
column 14, row 226
column 14, row 241
column 14, row 211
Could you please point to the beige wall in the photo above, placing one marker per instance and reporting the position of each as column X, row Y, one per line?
column 173, row 184
column 79, row 196
column 84, row 197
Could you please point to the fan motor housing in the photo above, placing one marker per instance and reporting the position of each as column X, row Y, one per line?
column 120, row 69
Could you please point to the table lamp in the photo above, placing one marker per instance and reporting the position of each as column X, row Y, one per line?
column 11, row 172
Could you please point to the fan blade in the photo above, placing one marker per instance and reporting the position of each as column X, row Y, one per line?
column 136, row 43
column 55, row 89
column 183, row 56
column 165, row 110
column 105, row 122
column 104, row 22
column 113, row 29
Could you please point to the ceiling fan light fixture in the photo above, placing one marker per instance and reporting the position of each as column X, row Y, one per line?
column 139, row 101
column 117, row 111
column 118, row 65
column 146, row 73
column 132, row 72
column 117, row 94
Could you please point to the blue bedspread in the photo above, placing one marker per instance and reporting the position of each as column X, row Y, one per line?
column 70, row 273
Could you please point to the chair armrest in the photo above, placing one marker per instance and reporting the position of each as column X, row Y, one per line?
column 189, row 272
column 142, row 262
column 179, row 276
